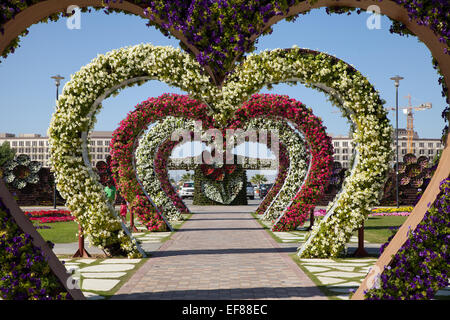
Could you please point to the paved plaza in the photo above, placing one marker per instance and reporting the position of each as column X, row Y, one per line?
column 220, row 254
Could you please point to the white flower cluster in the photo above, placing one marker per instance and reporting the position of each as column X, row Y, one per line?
column 217, row 192
column 360, row 103
column 81, row 98
column 75, row 117
column 298, row 164
column 145, row 162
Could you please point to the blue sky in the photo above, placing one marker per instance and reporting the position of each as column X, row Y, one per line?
column 27, row 94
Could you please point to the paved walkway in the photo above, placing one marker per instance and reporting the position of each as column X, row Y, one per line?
column 223, row 254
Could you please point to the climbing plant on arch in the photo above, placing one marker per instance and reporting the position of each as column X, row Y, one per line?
column 124, row 143
column 428, row 20
column 151, row 165
column 346, row 87
column 269, row 106
column 148, row 158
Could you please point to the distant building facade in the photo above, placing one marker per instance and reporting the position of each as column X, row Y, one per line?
column 37, row 147
column 343, row 148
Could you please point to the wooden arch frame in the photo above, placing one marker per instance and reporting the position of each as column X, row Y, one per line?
column 33, row 14
column 43, row 9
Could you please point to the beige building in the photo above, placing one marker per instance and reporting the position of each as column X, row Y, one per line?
column 37, row 146
column 343, row 148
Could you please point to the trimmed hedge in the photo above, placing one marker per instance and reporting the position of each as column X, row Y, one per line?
column 201, row 200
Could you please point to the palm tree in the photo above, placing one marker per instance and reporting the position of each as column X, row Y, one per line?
column 187, row 177
column 258, row 179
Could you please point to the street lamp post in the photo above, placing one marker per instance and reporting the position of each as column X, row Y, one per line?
column 57, row 79
column 397, row 83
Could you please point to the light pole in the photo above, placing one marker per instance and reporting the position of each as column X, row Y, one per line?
column 58, row 79
column 397, row 83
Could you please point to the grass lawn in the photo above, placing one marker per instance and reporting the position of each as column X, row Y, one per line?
column 65, row 232
column 376, row 229
column 60, row 232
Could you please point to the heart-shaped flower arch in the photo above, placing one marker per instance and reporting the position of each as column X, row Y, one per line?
column 81, row 98
column 151, row 165
column 124, row 143
column 360, row 103
column 319, row 146
column 298, row 165
column 426, row 21
column 75, row 117
column 268, row 106
column 149, row 159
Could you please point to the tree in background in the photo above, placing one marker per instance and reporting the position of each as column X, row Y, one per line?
column 187, row 177
column 6, row 153
column 258, row 179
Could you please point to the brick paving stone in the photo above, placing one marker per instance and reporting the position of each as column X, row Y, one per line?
column 220, row 253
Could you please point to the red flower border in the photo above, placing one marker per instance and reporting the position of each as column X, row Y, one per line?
column 319, row 143
column 283, row 168
column 49, row 216
column 123, row 147
column 274, row 106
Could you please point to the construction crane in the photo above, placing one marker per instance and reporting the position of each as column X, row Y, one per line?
column 408, row 111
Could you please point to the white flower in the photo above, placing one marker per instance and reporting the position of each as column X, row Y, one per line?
column 351, row 92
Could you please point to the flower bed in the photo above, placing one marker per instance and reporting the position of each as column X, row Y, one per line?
column 422, row 265
column 24, row 272
column 384, row 214
column 50, row 216
column 224, row 31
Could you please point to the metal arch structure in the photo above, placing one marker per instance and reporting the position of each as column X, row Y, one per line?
column 43, row 9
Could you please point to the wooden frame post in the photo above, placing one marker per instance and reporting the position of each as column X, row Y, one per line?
column 311, row 219
column 81, row 252
column 26, row 226
column 360, row 251
column 132, row 226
